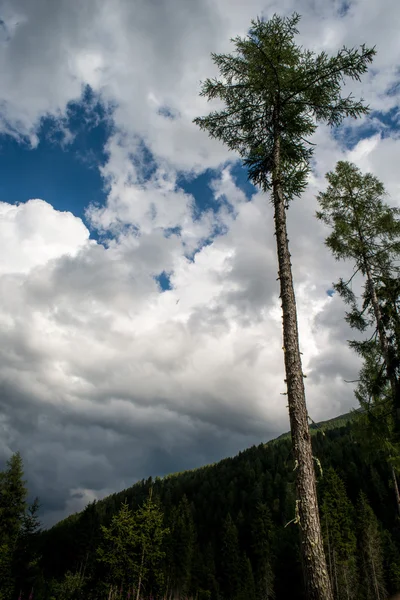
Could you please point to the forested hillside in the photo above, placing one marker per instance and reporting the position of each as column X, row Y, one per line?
column 226, row 531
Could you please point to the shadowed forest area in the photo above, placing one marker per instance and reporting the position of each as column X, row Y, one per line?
column 225, row 531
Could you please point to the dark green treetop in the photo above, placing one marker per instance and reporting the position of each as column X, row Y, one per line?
column 272, row 87
column 365, row 229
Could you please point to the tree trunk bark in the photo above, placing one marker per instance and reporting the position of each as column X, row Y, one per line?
column 140, row 576
column 329, row 552
column 167, row 588
column 314, row 563
column 396, row 489
column 374, row 579
column 336, row 577
column 346, row 582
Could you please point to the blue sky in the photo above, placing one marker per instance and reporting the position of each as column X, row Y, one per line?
column 387, row 124
column 64, row 168
column 64, row 173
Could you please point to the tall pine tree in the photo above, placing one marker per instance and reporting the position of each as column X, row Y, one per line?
column 275, row 92
column 132, row 548
column 27, row 552
column 118, row 551
column 374, row 425
column 366, row 231
column 12, row 510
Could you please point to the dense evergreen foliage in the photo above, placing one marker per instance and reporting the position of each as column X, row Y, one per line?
column 218, row 532
column 19, row 529
column 366, row 232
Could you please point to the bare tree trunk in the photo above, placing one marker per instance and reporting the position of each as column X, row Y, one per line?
column 167, row 588
column 312, row 550
column 375, row 581
column 329, row 552
column 140, row 576
column 336, row 577
column 346, row 582
column 396, row 489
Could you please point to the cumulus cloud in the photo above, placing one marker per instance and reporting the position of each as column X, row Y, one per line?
column 33, row 233
column 104, row 378
column 101, row 371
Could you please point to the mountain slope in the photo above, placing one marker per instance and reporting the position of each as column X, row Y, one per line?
column 334, row 423
column 239, row 496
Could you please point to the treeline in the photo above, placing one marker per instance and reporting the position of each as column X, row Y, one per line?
column 223, row 532
column 19, row 534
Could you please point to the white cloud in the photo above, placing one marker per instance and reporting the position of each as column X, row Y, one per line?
column 142, row 57
column 88, row 341
column 33, row 233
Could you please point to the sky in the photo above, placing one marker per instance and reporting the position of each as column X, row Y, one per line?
column 140, row 325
